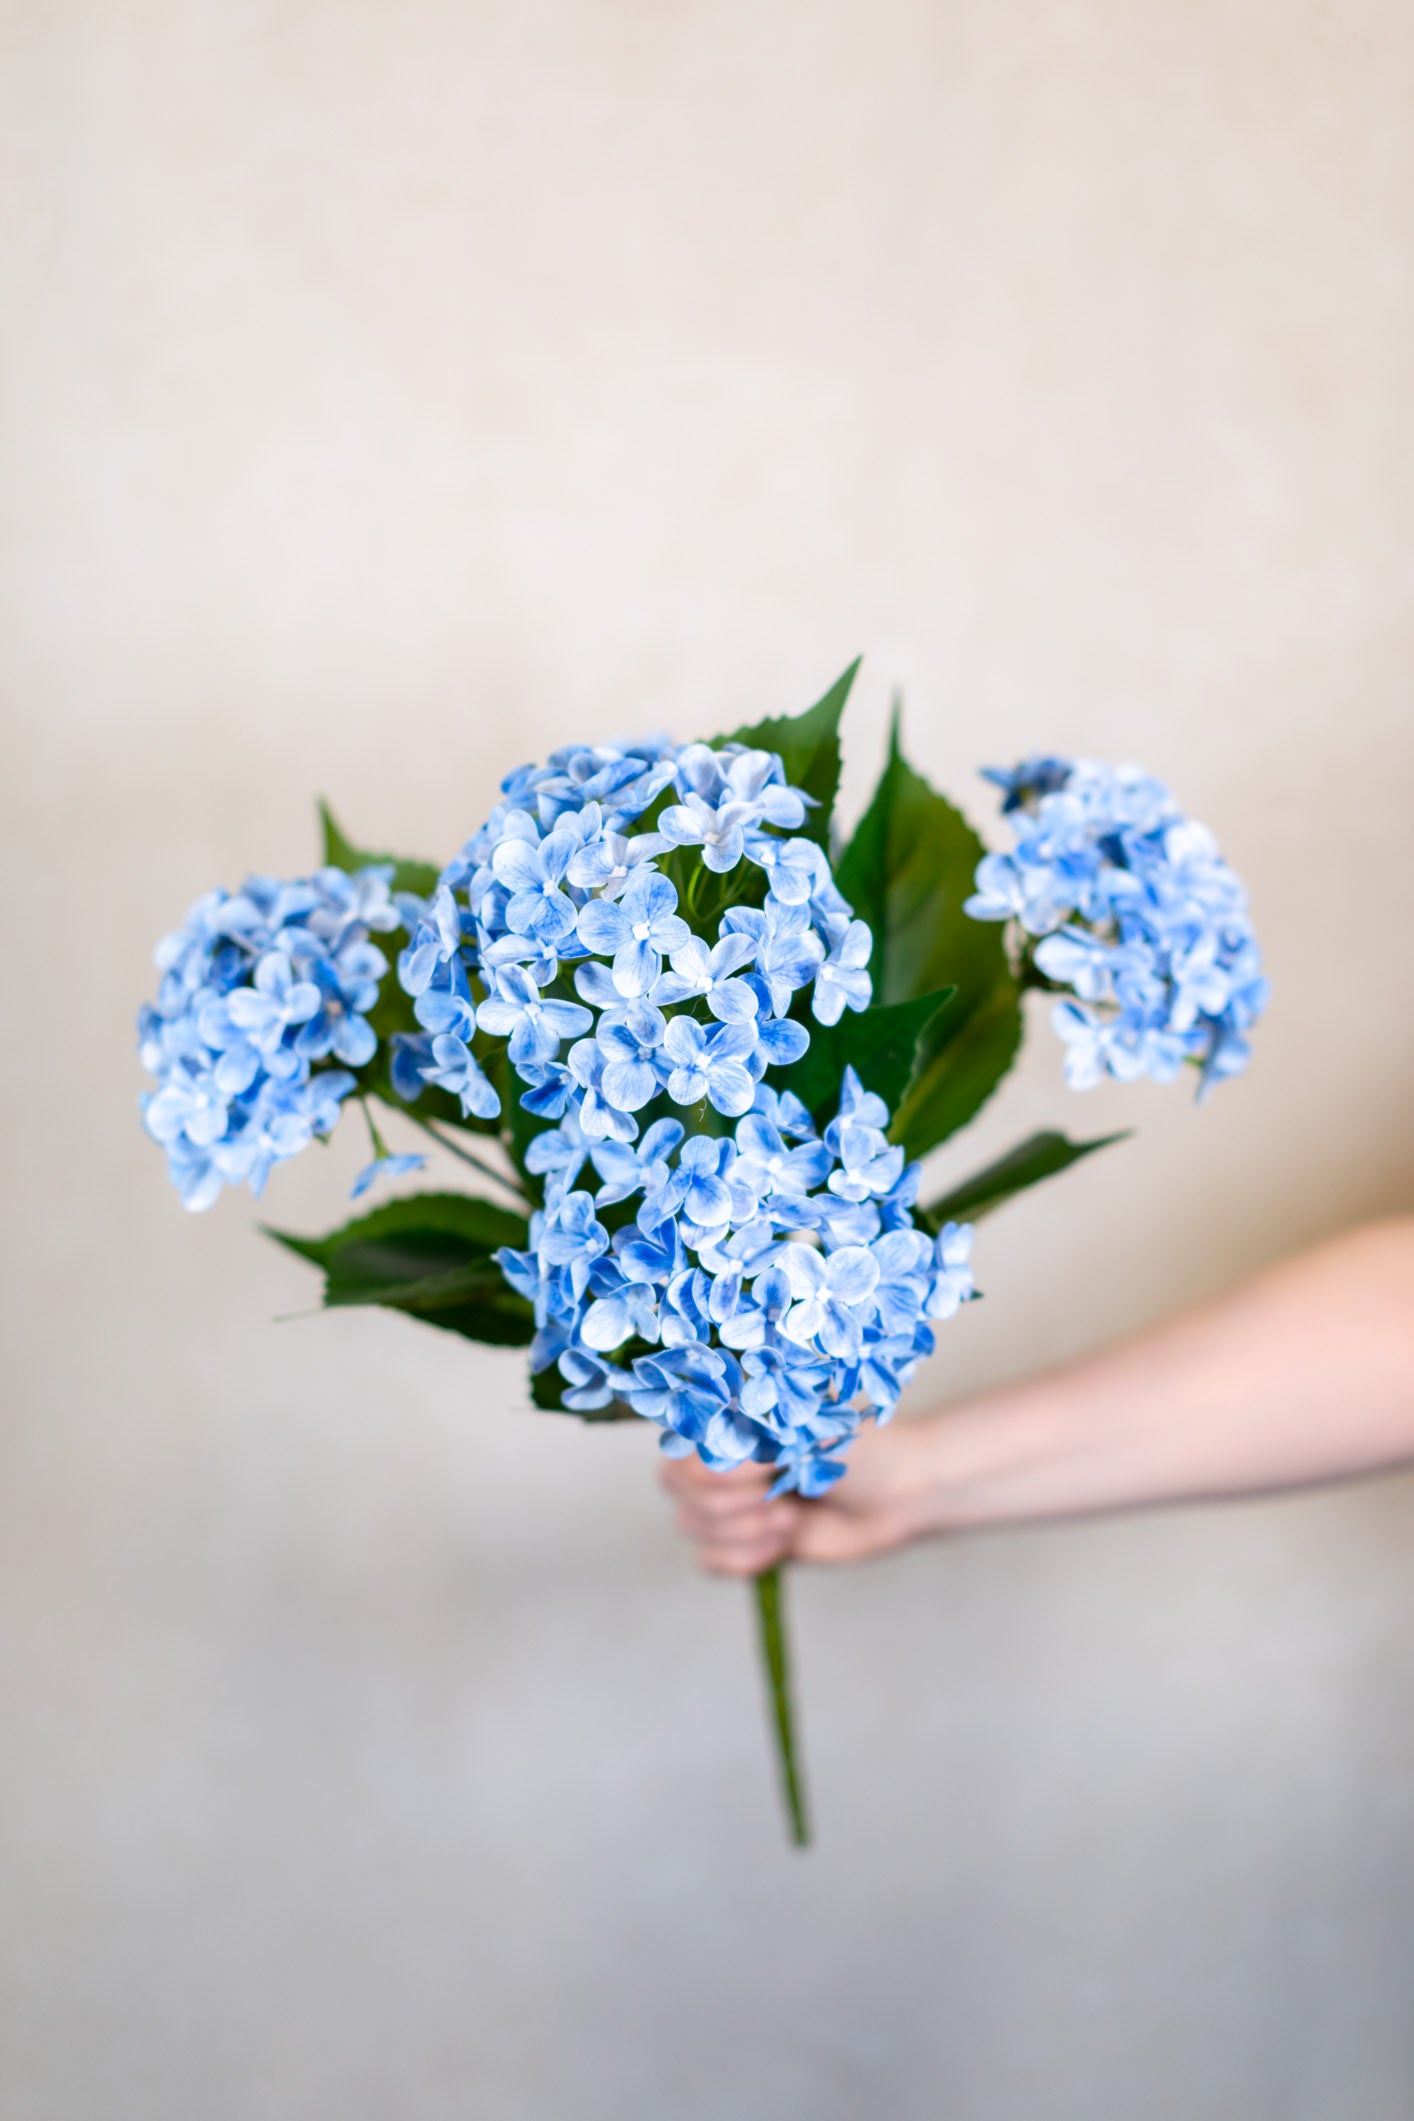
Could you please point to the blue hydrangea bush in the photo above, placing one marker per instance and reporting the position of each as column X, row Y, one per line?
column 699, row 1047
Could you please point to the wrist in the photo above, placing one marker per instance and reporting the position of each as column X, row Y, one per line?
column 978, row 1463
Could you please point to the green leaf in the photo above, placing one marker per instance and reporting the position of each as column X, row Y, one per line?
column 907, row 871
column 415, row 1225
column 957, row 1074
column 1039, row 1156
column 881, row 1044
column 359, row 1278
column 507, row 1323
column 809, row 748
column 429, row 1255
column 547, row 1389
column 420, row 877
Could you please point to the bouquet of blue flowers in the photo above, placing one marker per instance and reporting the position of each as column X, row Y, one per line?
column 699, row 1049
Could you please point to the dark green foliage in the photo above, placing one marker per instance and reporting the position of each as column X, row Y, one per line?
column 547, row 1391
column 958, row 1072
column 1039, row 1156
column 907, row 871
column 809, row 747
column 429, row 1255
column 339, row 849
column 881, row 1044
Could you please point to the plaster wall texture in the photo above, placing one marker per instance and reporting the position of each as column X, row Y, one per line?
column 392, row 393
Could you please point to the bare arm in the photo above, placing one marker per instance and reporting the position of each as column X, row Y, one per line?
column 1303, row 1375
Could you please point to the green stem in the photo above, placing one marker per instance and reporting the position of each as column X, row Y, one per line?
column 775, row 1655
column 430, row 1126
column 380, row 1147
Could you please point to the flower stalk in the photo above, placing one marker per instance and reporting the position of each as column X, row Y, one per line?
column 776, row 1661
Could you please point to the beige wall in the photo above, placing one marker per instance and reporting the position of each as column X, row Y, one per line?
column 392, row 393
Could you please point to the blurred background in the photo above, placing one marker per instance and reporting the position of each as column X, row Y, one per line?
column 394, row 392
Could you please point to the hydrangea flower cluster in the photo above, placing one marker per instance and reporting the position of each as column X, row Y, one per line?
column 562, row 913
column 261, row 1014
column 769, row 1291
column 1136, row 912
column 773, row 1278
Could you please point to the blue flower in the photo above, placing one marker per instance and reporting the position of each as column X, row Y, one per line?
column 745, row 1319
column 453, row 1068
column 798, row 869
column 730, row 775
column 770, row 1167
column 868, row 1166
column 1040, row 897
column 719, row 832
column 273, row 1002
column 623, row 1309
column 858, row 1108
column 435, row 942
column 385, row 1167
column 348, row 905
column 807, row 1466
column 608, row 862
column 897, row 1205
column 1072, row 957
column 626, row 1170
column 540, row 960
column 551, row 1091
column 700, row 973
column 636, row 930
column 348, row 988
column 629, row 1040
column 952, row 1283
column 411, row 1054
column 784, row 1386
column 778, row 1041
column 842, row 982
column 533, row 875
column 517, row 1011
column 1124, row 1046
column 593, row 1382
column 446, row 1007
column 829, row 1289
column 691, row 1391
column 709, row 1064
column 559, row 1152
column 788, row 951
column 572, row 1237
column 653, row 1255
column 697, row 1187
column 1034, row 777
column 600, row 1119
column 783, row 1110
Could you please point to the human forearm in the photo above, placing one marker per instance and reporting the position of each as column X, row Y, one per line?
column 1305, row 1374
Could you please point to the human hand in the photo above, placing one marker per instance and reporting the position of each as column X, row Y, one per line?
column 739, row 1531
